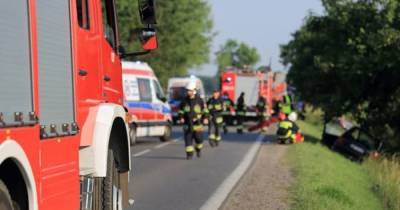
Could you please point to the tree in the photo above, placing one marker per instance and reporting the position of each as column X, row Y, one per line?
column 184, row 30
column 347, row 61
column 237, row 55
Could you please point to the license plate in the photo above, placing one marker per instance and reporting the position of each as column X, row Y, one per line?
column 357, row 148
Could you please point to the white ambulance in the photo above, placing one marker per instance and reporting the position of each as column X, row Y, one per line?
column 150, row 114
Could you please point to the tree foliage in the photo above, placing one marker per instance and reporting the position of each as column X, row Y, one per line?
column 236, row 54
column 348, row 61
column 184, row 31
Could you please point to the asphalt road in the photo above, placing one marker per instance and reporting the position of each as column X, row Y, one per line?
column 163, row 179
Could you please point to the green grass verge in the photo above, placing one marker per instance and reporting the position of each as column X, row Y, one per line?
column 386, row 175
column 326, row 180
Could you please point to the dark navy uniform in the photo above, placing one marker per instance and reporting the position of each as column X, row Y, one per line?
column 193, row 112
column 240, row 113
column 215, row 108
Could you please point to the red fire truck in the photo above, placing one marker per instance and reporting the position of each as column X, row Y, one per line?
column 253, row 84
column 63, row 135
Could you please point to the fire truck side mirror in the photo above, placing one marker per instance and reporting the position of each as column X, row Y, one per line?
column 148, row 38
column 147, row 11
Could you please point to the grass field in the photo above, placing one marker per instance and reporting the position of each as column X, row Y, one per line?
column 386, row 176
column 326, row 180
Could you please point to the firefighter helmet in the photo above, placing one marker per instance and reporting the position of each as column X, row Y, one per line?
column 191, row 86
column 292, row 116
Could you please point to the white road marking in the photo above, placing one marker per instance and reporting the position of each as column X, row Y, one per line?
column 166, row 143
column 162, row 145
column 222, row 192
column 141, row 153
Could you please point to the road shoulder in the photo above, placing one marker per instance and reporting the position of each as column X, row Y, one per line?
column 266, row 184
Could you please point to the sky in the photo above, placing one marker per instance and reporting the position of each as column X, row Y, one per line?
column 264, row 24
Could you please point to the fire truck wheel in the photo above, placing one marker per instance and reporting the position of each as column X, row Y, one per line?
column 112, row 193
column 132, row 135
column 5, row 198
column 167, row 134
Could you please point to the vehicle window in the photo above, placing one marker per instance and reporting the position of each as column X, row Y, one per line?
column 177, row 93
column 333, row 128
column 159, row 91
column 145, row 90
column 131, row 90
column 107, row 8
column 83, row 13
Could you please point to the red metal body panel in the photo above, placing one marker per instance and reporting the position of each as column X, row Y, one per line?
column 228, row 84
column 55, row 162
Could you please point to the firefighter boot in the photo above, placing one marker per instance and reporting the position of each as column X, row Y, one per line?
column 217, row 140
column 198, row 153
column 211, row 142
column 189, row 155
column 189, row 152
column 198, row 149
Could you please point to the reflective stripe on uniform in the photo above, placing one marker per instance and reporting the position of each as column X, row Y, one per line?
column 285, row 124
column 293, row 138
column 197, row 127
column 199, row 146
column 189, row 149
column 287, row 135
column 186, row 108
column 219, row 120
column 218, row 138
column 241, row 113
column 212, row 136
column 197, row 108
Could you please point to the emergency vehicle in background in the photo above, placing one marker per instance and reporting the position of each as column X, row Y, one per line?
column 177, row 92
column 254, row 84
column 150, row 114
column 64, row 140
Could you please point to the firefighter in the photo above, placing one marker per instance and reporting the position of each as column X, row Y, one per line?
column 288, row 131
column 286, row 105
column 262, row 111
column 240, row 113
column 215, row 106
column 228, row 106
column 193, row 114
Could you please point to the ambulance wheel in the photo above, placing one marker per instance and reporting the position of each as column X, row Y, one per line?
column 132, row 135
column 112, row 197
column 167, row 134
column 5, row 198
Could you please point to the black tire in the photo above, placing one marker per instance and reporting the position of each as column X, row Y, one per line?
column 107, row 192
column 112, row 189
column 167, row 134
column 5, row 199
column 132, row 135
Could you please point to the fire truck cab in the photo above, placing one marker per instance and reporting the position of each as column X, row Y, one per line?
column 64, row 140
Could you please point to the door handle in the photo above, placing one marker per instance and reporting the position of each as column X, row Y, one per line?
column 107, row 78
column 82, row 72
